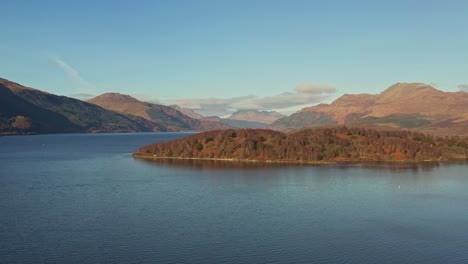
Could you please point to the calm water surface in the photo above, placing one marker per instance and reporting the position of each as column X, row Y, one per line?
column 84, row 199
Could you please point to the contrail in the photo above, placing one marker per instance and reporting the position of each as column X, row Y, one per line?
column 73, row 74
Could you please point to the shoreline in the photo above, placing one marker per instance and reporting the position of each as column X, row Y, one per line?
column 139, row 156
column 154, row 157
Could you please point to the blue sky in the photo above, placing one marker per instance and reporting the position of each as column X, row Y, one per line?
column 224, row 55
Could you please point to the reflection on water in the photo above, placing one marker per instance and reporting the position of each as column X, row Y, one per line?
column 227, row 165
column 397, row 176
column 391, row 166
column 213, row 164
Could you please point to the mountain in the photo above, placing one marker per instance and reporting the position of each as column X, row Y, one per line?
column 330, row 144
column 25, row 110
column 187, row 112
column 265, row 117
column 165, row 116
column 404, row 105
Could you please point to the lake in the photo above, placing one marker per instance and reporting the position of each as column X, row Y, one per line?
column 82, row 198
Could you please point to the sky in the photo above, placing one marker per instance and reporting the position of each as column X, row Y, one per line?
column 220, row 56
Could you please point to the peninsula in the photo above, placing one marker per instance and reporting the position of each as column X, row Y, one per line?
column 313, row 145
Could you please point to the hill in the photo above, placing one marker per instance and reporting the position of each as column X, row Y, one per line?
column 24, row 110
column 165, row 116
column 332, row 144
column 404, row 105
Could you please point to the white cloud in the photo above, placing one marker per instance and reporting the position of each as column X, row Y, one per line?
column 304, row 94
column 73, row 74
column 83, row 96
column 211, row 106
column 315, row 89
column 463, row 87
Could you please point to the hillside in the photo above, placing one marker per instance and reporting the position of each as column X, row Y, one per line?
column 25, row 110
column 332, row 144
column 165, row 116
column 404, row 105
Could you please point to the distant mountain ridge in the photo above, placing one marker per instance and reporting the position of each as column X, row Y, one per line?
column 240, row 119
column 415, row 106
column 403, row 105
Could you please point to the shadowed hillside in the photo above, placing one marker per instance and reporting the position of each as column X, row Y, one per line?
column 25, row 110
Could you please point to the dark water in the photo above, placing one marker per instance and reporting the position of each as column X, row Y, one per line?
column 84, row 199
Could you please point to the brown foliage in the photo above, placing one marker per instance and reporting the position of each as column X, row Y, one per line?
column 311, row 145
column 22, row 122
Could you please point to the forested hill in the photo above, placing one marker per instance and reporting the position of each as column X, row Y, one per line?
column 332, row 144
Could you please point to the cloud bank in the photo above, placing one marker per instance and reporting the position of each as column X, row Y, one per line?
column 463, row 87
column 304, row 94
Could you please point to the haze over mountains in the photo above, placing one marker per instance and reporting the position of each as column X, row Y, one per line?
column 415, row 106
column 266, row 117
column 241, row 119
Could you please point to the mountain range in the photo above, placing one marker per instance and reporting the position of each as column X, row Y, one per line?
column 413, row 106
column 25, row 110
